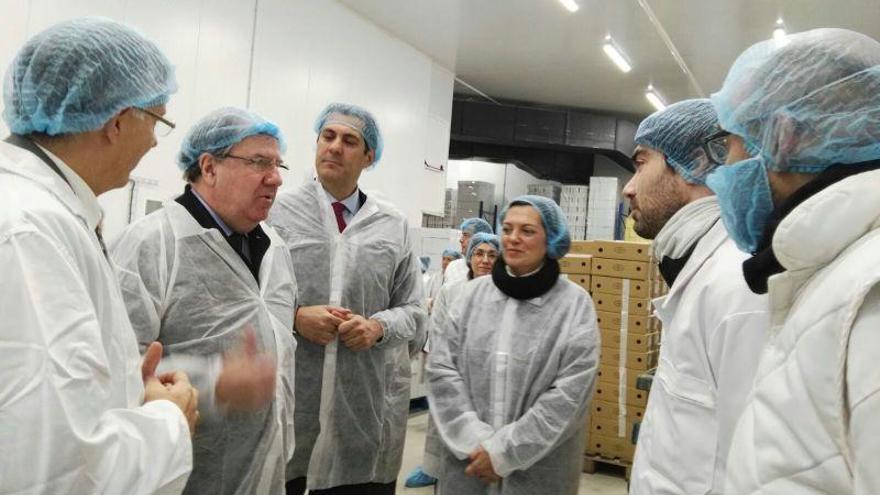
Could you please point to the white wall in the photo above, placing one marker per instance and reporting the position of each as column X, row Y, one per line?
column 304, row 54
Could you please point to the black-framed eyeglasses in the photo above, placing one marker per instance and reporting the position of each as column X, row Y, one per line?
column 715, row 146
column 259, row 163
column 166, row 127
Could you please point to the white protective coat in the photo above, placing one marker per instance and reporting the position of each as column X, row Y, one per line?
column 351, row 407
column 714, row 328
column 456, row 272
column 810, row 425
column 71, row 419
column 514, row 377
column 186, row 287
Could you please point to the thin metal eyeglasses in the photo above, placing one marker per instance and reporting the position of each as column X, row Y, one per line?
column 166, row 127
column 261, row 164
column 715, row 146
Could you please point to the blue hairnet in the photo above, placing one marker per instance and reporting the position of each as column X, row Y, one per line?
column 451, row 253
column 553, row 219
column 425, row 261
column 221, row 129
column 678, row 132
column 482, row 238
column 358, row 119
column 808, row 103
column 475, row 225
column 77, row 74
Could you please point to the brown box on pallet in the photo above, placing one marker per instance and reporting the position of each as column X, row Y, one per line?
column 612, row 447
column 636, row 270
column 636, row 324
column 581, row 279
column 613, row 303
column 634, row 360
column 622, row 250
column 604, row 409
column 610, row 392
column 634, row 342
column 576, row 263
column 583, row 247
column 608, row 374
column 608, row 427
column 610, row 285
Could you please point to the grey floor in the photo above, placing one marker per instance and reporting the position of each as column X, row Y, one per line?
column 591, row 484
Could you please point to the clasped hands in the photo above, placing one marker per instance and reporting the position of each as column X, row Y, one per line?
column 322, row 324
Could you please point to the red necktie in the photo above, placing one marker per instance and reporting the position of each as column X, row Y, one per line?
column 338, row 208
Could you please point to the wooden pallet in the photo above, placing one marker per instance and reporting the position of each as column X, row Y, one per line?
column 591, row 461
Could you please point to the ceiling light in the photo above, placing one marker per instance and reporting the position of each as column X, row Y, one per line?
column 615, row 55
column 780, row 36
column 655, row 99
column 570, row 5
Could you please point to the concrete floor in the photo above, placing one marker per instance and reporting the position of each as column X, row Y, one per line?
column 591, row 484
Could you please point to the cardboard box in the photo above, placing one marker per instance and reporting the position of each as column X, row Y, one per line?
column 636, row 324
column 604, row 409
column 623, row 250
column 637, row 270
column 610, row 375
column 634, row 360
column 576, row 263
column 612, row 447
column 581, row 279
column 608, row 427
column 613, row 303
column 582, row 247
column 609, row 285
column 634, row 342
column 611, row 393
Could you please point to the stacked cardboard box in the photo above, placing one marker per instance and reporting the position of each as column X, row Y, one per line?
column 574, row 200
column 623, row 280
column 546, row 190
column 602, row 208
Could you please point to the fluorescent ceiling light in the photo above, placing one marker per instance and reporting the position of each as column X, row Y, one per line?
column 655, row 99
column 616, row 55
column 570, row 5
column 780, row 36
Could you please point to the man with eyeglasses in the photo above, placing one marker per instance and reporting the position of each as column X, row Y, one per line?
column 214, row 285
column 713, row 326
column 360, row 313
column 79, row 411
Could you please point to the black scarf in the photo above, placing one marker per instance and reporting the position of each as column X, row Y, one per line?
column 763, row 265
column 671, row 267
column 522, row 288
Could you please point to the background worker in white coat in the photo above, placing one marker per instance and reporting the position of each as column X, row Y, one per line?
column 360, row 306
column 435, row 282
column 512, row 366
column 806, row 204
column 482, row 251
column 713, row 326
column 210, row 281
column 78, row 411
column 457, row 271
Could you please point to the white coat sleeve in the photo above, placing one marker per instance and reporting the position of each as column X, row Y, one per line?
column 450, row 405
column 558, row 412
column 142, row 271
column 863, row 391
column 405, row 318
column 734, row 350
column 63, row 428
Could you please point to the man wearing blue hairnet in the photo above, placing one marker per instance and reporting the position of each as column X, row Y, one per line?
column 458, row 269
column 360, row 307
column 713, row 326
column 800, row 194
column 79, row 411
column 210, row 281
